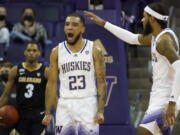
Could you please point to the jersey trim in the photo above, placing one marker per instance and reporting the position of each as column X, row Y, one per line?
column 39, row 66
column 168, row 30
column 66, row 48
column 70, row 52
column 84, row 47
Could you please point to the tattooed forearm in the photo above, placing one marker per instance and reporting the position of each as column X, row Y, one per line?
column 100, row 77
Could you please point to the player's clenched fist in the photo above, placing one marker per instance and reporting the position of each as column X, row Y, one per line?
column 99, row 118
column 47, row 119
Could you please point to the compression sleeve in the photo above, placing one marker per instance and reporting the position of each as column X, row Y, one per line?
column 122, row 34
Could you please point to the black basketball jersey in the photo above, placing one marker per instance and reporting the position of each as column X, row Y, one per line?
column 30, row 88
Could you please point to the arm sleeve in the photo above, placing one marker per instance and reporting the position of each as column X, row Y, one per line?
column 122, row 34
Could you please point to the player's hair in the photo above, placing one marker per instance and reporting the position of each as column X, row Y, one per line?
column 77, row 15
column 161, row 9
column 33, row 42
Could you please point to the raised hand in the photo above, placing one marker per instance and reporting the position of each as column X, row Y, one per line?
column 94, row 18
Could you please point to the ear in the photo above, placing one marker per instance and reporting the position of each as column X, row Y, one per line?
column 24, row 52
column 83, row 29
column 39, row 54
column 152, row 19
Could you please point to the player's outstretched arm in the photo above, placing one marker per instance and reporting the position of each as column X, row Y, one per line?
column 123, row 34
column 167, row 47
column 50, row 95
column 96, row 19
column 8, row 87
column 100, row 71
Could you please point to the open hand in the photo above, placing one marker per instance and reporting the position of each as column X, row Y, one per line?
column 170, row 116
column 96, row 19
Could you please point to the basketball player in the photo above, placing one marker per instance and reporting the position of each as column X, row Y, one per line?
column 30, row 79
column 161, row 112
column 79, row 63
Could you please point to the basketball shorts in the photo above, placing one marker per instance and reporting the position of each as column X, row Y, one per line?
column 154, row 123
column 77, row 116
column 30, row 122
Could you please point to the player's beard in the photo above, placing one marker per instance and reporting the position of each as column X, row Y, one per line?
column 147, row 29
column 75, row 40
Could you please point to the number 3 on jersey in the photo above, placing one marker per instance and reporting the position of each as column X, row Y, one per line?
column 29, row 92
column 77, row 82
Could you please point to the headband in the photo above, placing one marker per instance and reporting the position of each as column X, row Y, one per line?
column 155, row 14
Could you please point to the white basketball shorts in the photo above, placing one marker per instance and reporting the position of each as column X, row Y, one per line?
column 77, row 116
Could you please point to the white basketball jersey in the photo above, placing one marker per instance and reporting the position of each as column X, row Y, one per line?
column 77, row 73
column 163, row 75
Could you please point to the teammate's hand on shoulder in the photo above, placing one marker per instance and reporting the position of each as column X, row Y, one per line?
column 169, row 115
column 47, row 119
column 99, row 118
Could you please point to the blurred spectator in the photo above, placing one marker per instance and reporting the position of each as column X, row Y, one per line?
column 4, row 71
column 4, row 31
column 95, row 4
column 29, row 29
column 3, row 18
column 174, row 3
column 2, row 60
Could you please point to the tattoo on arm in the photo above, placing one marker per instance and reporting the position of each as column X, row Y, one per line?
column 100, row 70
column 167, row 47
column 50, row 96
